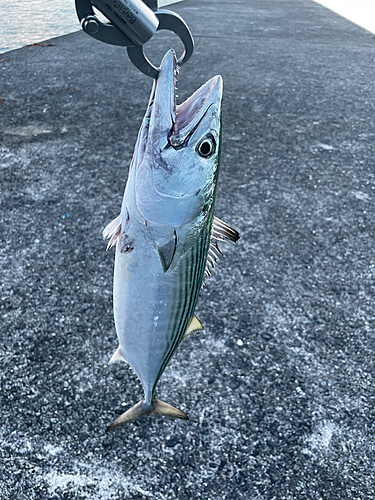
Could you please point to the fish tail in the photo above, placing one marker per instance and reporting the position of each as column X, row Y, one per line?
column 157, row 407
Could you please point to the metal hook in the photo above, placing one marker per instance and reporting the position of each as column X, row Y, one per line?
column 105, row 32
column 167, row 21
column 132, row 21
column 132, row 24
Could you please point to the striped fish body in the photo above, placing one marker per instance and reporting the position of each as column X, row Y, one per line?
column 166, row 233
column 153, row 307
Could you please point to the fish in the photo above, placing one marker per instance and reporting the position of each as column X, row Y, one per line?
column 166, row 236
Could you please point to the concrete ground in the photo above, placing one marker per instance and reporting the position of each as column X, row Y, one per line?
column 280, row 386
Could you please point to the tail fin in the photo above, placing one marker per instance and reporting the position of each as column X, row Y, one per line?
column 158, row 407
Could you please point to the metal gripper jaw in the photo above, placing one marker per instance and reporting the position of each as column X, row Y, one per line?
column 131, row 24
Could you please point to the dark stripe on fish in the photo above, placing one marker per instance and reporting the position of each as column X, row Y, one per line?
column 175, row 319
column 181, row 311
column 194, row 262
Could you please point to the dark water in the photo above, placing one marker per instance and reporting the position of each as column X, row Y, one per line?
column 25, row 22
column 28, row 21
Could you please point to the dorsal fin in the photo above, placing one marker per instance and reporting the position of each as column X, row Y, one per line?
column 113, row 232
column 194, row 326
column 220, row 231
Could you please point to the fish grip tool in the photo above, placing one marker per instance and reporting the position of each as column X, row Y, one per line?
column 132, row 23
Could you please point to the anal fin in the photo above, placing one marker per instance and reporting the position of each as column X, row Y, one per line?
column 117, row 357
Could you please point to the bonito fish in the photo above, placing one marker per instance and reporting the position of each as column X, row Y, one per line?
column 166, row 235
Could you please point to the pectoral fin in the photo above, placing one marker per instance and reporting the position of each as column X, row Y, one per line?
column 166, row 252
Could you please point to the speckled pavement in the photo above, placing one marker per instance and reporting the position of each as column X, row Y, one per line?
column 279, row 388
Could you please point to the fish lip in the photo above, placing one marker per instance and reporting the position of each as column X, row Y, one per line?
column 162, row 104
column 191, row 112
column 165, row 124
column 169, row 124
column 151, row 131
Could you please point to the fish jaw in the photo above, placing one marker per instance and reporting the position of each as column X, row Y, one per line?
column 173, row 182
column 163, row 112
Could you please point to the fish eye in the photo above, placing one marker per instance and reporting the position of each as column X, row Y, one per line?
column 206, row 147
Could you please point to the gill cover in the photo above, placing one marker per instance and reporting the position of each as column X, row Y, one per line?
column 176, row 173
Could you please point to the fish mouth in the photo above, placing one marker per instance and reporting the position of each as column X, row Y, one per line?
column 166, row 123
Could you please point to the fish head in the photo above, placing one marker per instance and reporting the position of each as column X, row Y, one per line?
column 178, row 150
